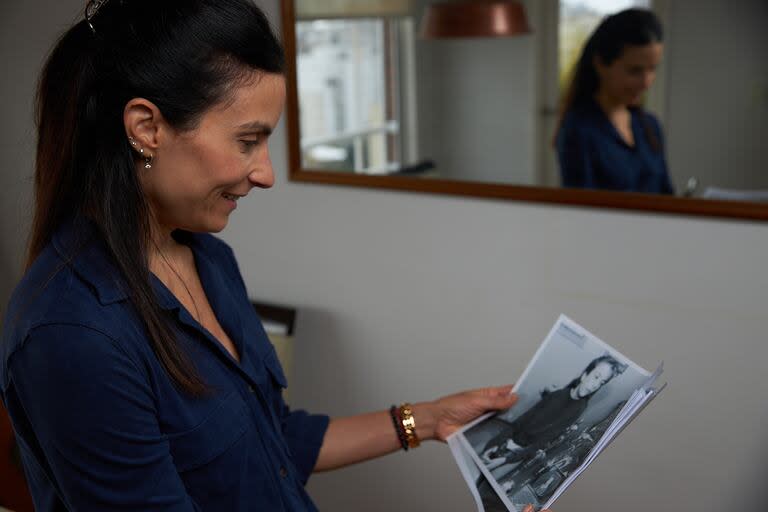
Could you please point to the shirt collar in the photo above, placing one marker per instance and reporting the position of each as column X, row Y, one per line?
column 80, row 246
column 604, row 122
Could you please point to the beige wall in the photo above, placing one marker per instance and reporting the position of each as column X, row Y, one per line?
column 407, row 296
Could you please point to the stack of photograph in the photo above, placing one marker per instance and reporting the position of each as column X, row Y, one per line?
column 575, row 396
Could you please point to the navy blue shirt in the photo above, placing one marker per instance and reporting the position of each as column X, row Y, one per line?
column 593, row 155
column 100, row 424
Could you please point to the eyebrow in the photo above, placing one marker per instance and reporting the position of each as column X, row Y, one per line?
column 255, row 127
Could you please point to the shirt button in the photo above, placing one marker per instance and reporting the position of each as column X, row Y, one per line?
column 283, row 472
column 250, row 389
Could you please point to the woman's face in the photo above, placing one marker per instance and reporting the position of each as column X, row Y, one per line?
column 626, row 79
column 198, row 176
column 594, row 380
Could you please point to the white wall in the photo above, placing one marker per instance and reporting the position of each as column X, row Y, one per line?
column 407, row 296
column 476, row 106
column 717, row 92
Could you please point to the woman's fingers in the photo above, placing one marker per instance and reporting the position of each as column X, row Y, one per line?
column 501, row 398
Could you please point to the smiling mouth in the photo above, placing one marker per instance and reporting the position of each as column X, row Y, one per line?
column 231, row 197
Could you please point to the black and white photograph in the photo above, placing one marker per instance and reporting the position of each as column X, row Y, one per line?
column 486, row 498
column 569, row 395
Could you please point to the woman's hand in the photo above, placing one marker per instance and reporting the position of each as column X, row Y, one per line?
column 446, row 415
column 366, row 436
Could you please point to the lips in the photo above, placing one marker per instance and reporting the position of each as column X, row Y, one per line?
column 231, row 197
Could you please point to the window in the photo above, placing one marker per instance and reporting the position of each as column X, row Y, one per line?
column 349, row 84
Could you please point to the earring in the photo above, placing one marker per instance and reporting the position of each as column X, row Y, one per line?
column 147, row 159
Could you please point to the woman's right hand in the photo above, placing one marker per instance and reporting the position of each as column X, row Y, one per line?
column 488, row 455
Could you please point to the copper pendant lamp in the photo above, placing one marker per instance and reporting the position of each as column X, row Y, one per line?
column 474, row 18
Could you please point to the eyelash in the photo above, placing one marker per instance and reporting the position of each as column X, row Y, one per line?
column 250, row 144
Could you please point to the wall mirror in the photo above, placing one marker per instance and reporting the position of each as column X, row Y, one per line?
column 373, row 103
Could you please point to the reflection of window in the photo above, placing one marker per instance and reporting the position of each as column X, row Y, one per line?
column 348, row 81
column 578, row 19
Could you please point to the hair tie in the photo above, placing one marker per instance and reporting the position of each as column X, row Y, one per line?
column 91, row 9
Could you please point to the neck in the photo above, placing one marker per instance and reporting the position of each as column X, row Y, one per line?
column 171, row 261
column 609, row 104
column 162, row 248
column 574, row 393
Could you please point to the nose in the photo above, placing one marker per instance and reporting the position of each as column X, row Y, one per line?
column 648, row 80
column 263, row 176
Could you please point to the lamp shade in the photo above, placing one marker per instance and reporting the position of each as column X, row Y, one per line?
column 474, row 18
column 329, row 9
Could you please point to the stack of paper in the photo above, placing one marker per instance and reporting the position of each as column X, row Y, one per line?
column 576, row 395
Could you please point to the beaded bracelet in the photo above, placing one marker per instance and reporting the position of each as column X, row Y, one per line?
column 394, row 413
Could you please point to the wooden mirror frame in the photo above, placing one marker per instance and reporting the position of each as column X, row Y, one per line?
column 592, row 198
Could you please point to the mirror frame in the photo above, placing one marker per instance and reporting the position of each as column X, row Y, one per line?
column 526, row 193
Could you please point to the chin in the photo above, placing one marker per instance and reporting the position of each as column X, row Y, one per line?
column 635, row 101
column 211, row 226
column 217, row 227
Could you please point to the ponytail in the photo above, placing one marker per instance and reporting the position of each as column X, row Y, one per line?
column 58, row 104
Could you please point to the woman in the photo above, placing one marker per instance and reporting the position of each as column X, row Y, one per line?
column 605, row 139
column 133, row 367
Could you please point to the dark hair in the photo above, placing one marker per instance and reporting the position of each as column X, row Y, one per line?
column 631, row 27
column 185, row 56
column 616, row 367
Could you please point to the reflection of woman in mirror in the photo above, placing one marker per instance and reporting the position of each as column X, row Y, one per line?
column 605, row 138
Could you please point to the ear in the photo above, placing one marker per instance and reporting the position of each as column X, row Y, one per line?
column 598, row 65
column 145, row 123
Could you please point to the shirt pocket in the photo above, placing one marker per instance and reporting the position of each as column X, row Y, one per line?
column 212, row 438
